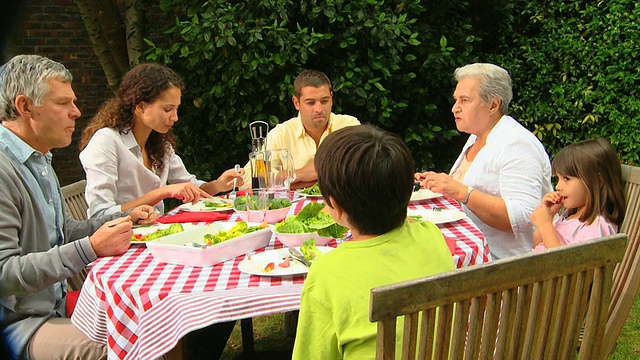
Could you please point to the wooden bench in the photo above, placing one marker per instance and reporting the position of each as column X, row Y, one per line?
column 528, row 306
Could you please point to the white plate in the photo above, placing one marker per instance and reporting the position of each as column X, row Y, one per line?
column 258, row 262
column 423, row 194
column 199, row 206
column 146, row 230
column 176, row 249
column 445, row 216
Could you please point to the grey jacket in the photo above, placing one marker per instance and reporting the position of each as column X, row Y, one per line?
column 29, row 267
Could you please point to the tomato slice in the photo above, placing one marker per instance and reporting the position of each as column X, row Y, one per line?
column 270, row 266
column 285, row 263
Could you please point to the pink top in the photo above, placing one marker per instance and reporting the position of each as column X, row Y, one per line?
column 574, row 230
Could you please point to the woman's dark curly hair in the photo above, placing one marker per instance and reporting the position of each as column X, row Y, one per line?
column 145, row 82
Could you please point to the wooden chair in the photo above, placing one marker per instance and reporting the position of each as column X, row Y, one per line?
column 626, row 276
column 73, row 195
column 77, row 206
column 529, row 306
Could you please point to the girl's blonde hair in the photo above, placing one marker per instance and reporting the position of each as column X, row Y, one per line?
column 597, row 165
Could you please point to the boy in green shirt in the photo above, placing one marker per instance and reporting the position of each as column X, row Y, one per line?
column 365, row 175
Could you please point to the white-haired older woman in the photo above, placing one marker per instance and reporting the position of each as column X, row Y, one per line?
column 503, row 170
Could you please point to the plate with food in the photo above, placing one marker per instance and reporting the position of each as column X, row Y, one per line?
column 277, row 262
column 436, row 216
column 311, row 191
column 423, row 194
column 215, row 204
column 211, row 244
column 144, row 234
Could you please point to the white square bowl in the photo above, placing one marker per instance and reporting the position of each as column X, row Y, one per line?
column 175, row 249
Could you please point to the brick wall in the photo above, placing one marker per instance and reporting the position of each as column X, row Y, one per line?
column 54, row 28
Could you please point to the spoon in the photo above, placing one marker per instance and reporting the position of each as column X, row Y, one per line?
column 197, row 245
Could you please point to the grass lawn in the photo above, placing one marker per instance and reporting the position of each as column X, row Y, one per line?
column 272, row 343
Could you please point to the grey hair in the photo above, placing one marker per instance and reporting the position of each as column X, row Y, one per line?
column 28, row 75
column 495, row 83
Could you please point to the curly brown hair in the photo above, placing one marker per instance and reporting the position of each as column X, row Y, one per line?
column 145, row 82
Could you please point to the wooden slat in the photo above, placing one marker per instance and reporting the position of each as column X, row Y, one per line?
column 509, row 308
column 626, row 278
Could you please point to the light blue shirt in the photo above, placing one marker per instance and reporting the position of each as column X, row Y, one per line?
column 38, row 173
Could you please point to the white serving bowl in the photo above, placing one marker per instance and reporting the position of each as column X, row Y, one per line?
column 271, row 216
column 299, row 239
column 177, row 249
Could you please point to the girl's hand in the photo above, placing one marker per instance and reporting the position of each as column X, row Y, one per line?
column 187, row 192
column 544, row 213
column 553, row 201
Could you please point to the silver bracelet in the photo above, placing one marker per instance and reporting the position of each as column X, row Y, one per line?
column 466, row 198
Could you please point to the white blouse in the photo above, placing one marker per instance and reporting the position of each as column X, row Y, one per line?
column 513, row 165
column 116, row 173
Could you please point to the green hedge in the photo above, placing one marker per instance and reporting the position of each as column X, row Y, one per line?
column 391, row 64
column 576, row 69
column 574, row 66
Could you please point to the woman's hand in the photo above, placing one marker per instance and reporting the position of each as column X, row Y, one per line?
column 187, row 192
column 226, row 179
column 224, row 182
column 144, row 215
column 442, row 183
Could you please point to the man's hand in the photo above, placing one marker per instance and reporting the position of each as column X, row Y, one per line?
column 113, row 237
column 144, row 215
column 307, row 174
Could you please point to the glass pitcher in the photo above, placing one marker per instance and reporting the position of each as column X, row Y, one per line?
column 281, row 170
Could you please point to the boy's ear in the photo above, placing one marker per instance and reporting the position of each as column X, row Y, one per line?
column 337, row 208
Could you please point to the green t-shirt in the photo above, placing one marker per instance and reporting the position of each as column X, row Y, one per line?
column 334, row 310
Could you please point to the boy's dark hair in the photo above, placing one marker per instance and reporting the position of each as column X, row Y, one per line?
column 369, row 173
column 597, row 165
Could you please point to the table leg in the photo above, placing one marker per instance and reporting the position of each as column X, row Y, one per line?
column 248, row 349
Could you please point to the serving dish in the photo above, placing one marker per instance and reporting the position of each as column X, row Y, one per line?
column 189, row 247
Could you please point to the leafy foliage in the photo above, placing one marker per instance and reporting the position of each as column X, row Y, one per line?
column 575, row 66
column 390, row 63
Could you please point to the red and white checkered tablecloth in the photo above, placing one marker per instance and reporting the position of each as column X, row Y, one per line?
column 141, row 307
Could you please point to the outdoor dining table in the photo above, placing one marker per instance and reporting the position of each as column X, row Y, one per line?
column 141, row 307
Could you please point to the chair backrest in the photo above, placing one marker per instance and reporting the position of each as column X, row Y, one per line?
column 73, row 195
column 626, row 276
column 528, row 306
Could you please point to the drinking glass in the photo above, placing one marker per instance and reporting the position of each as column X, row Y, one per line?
column 257, row 204
column 281, row 172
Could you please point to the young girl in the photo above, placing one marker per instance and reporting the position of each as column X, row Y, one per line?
column 128, row 148
column 589, row 193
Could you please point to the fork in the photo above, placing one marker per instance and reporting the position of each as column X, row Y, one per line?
column 436, row 210
column 297, row 256
column 232, row 194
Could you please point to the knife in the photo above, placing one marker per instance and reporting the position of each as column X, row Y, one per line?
column 416, row 187
column 297, row 255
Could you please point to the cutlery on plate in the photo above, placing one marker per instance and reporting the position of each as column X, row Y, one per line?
column 232, row 194
column 436, row 210
column 298, row 199
column 297, row 255
column 196, row 245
